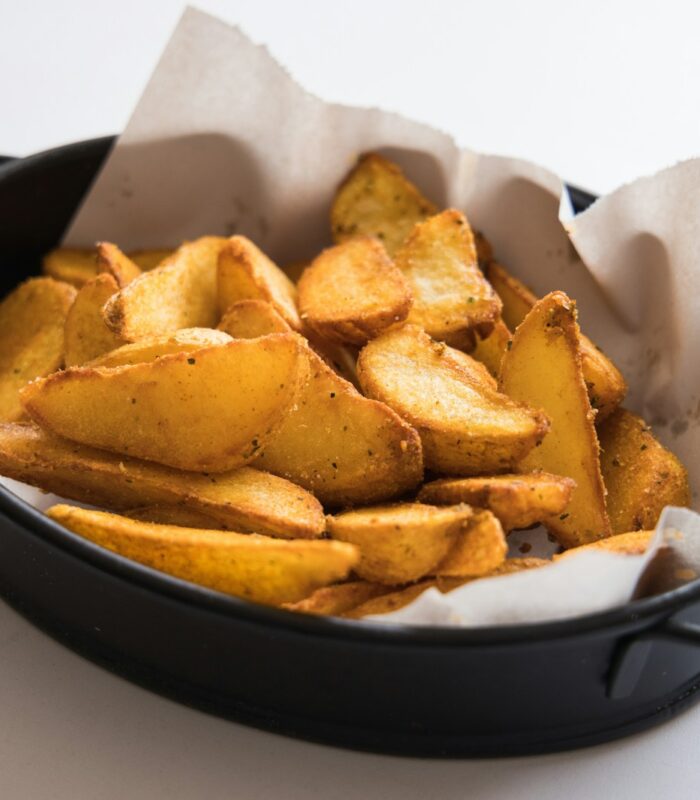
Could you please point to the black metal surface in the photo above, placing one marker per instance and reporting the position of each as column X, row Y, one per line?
column 441, row 692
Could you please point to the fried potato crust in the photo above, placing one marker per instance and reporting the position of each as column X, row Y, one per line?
column 114, row 262
column 479, row 549
column 187, row 340
column 248, row 319
column 631, row 543
column 86, row 335
column 72, row 265
column 337, row 600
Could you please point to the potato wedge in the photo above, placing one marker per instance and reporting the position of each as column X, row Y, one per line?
column 342, row 446
column 391, row 601
column 71, row 265
column 543, row 367
column 180, row 293
column 631, row 543
column 452, row 301
column 245, row 499
column 479, row 549
column 32, row 320
column 244, row 272
column 86, row 335
column 187, row 340
column 606, row 386
column 147, row 260
column 446, row 584
column 211, row 410
column 250, row 566
column 111, row 260
column 640, row 474
column 182, row 516
column 400, row 543
column 376, row 199
column 518, row 501
column 248, row 319
column 353, row 291
column 490, row 350
column 467, row 428
column 336, row 600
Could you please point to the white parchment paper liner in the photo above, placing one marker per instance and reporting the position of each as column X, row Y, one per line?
column 224, row 141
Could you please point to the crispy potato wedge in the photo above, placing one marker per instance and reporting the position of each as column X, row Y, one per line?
column 353, row 291
column 111, row 260
column 248, row 319
column 400, row 543
column 336, row 600
column 244, row 272
column 376, row 199
column 480, row 548
column 251, row 566
column 71, row 265
column 147, row 260
column 180, row 293
column 508, row 567
column 210, row 410
column 467, row 428
column 342, row 446
column 32, row 320
column 392, row 601
column 452, row 301
column 543, row 367
column 490, row 350
column 606, row 386
column 182, row 516
column 187, row 340
column 86, row 335
column 640, row 474
column 518, row 501
column 631, row 543
column 245, row 499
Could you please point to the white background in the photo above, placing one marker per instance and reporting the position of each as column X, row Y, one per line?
column 601, row 93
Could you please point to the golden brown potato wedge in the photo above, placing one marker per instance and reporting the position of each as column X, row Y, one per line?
column 187, row 340
column 479, row 549
column 180, row 293
column 632, row 543
column 71, row 265
column 490, row 350
column 376, row 199
column 605, row 384
column 182, row 516
column 147, row 260
column 111, row 260
column 391, row 601
column 452, row 301
column 508, row 567
column 342, row 446
column 245, row 499
column 400, row 543
column 86, row 334
column 251, row 566
column 211, row 410
column 467, row 428
column 543, row 367
column 353, row 291
column 32, row 320
column 640, row 474
column 244, row 272
column 248, row 319
column 518, row 501
column 338, row 599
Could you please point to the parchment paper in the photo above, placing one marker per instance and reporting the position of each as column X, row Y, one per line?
column 223, row 141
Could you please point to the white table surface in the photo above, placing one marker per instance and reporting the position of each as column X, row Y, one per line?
column 601, row 93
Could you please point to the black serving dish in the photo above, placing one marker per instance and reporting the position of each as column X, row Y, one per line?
column 394, row 689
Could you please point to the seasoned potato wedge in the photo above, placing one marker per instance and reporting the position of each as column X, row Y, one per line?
column 180, row 293
column 353, row 291
column 632, row 543
column 71, row 265
column 86, row 335
column 244, row 272
column 182, row 516
column 640, row 474
column 187, row 340
column 251, row 566
column 111, row 260
column 446, row 584
column 245, row 499
column 336, row 600
column 467, row 428
column 517, row 500
column 543, row 367
column 248, row 319
column 400, row 543
column 479, row 549
column 209, row 410
column 147, row 260
column 604, row 381
column 491, row 349
column 452, row 301
column 376, row 199
column 32, row 320
column 342, row 446
column 391, row 601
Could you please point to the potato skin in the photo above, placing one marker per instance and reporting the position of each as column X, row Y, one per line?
column 111, row 260
column 632, row 543
column 641, row 476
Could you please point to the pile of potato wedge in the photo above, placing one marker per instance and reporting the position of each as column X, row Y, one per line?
column 335, row 445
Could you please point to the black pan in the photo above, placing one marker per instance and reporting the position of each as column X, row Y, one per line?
column 396, row 689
